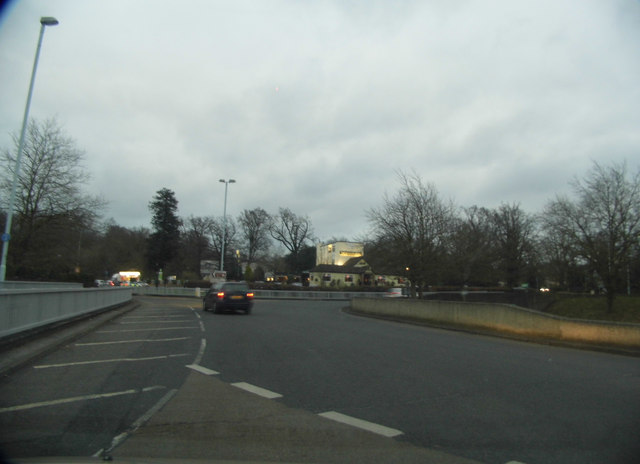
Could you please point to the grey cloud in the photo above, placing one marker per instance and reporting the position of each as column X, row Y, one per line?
column 497, row 101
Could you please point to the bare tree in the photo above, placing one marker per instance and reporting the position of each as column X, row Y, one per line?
column 603, row 222
column 195, row 242
column 417, row 224
column 473, row 251
column 216, row 227
column 254, row 230
column 514, row 235
column 561, row 259
column 51, row 210
column 292, row 231
column 121, row 249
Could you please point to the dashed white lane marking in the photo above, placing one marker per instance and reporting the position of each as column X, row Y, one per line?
column 361, row 424
column 202, row 370
column 257, row 390
column 79, row 398
column 133, row 341
column 145, row 329
column 80, row 363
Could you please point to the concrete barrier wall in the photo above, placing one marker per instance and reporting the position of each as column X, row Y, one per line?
column 503, row 319
column 29, row 309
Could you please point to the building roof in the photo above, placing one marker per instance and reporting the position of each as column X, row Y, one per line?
column 352, row 266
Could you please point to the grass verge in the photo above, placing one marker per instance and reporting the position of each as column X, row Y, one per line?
column 625, row 308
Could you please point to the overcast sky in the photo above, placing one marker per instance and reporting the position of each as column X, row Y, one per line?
column 314, row 105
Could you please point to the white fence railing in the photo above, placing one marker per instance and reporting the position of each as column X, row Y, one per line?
column 259, row 294
column 22, row 310
column 11, row 285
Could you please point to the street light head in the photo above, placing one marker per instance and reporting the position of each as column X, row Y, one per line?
column 232, row 181
column 221, row 180
column 48, row 21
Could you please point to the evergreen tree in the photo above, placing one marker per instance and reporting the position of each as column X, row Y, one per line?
column 163, row 243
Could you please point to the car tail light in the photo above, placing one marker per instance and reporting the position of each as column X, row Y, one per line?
column 220, row 294
column 250, row 295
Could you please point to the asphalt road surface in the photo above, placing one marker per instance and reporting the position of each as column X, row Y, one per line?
column 488, row 399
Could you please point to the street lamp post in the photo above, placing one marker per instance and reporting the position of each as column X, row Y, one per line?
column 44, row 21
column 224, row 219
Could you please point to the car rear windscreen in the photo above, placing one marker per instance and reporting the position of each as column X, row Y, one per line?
column 236, row 287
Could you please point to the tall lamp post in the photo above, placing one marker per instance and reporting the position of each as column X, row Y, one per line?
column 224, row 219
column 44, row 21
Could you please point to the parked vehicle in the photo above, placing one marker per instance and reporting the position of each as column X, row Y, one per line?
column 228, row 296
column 397, row 292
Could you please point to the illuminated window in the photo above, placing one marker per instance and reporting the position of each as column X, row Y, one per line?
column 348, row 278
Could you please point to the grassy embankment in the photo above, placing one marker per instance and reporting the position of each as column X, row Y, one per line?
column 625, row 308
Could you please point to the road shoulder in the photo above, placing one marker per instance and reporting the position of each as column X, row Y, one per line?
column 210, row 419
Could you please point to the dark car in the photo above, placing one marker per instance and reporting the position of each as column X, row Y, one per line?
column 228, row 296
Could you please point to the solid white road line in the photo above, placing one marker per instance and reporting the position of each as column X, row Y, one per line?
column 203, row 345
column 156, row 322
column 199, row 320
column 151, row 317
column 257, row 390
column 140, row 421
column 133, row 341
column 78, row 398
column 361, row 424
column 80, row 363
column 202, row 370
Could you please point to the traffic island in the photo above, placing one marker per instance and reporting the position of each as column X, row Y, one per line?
column 506, row 321
column 209, row 419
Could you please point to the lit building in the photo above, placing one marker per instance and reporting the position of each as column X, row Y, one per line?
column 342, row 264
column 338, row 253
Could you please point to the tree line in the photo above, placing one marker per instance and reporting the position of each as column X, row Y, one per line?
column 180, row 246
column 57, row 233
column 589, row 241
